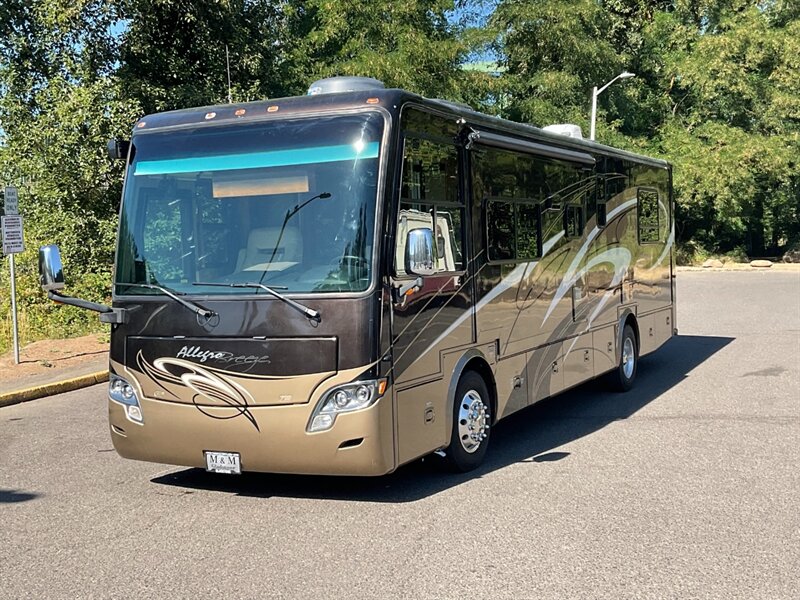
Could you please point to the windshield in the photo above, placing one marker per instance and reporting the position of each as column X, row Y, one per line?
column 288, row 204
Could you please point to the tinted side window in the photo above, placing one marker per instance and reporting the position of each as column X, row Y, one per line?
column 573, row 221
column 512, row 231
column 543, row 197
column 647, row 212
column 429, row 190
column 527, row 231
column 430, row 172
column 500, row 230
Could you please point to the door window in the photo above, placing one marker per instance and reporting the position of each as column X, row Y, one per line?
column 429, row 197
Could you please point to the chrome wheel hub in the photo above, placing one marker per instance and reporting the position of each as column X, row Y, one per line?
column 473, row 421
column 628, row 358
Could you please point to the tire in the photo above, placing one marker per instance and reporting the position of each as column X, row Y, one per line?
column 623, row 376
column 472, row 407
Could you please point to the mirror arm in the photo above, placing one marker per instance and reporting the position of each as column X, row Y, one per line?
column 107, row 314
column 401, row 290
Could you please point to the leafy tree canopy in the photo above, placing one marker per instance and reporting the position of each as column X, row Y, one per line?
column 717, row 92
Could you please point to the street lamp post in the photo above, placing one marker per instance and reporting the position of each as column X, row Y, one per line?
column 596, row 92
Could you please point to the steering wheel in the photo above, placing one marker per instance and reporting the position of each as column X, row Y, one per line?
column 351, row 258
column 349, row 261
column 351, row 268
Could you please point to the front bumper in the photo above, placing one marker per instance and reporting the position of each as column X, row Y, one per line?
column 359, row 443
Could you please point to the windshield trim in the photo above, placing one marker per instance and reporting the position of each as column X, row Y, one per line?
column 383, row 165
column 256, row 160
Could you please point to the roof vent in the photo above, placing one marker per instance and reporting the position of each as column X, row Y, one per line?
column 567, row 129
column 334, row 85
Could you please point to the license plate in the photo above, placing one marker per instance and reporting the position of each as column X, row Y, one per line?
column 223, row 462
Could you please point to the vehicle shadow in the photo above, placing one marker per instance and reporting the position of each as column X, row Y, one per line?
column 16, row 496
column 527, row 436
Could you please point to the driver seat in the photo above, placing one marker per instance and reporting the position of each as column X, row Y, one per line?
column 260, row 245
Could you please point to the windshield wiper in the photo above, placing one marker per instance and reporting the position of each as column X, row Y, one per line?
column 309, row 312
column 289, row 214
column 196, row 309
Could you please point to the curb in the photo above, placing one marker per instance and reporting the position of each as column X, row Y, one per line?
column 776, row 268
column 49, row 389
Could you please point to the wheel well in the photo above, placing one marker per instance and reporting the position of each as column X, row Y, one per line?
column 631, row 320
column 482, row 368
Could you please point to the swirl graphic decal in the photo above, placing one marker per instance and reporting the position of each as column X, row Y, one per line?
column 212, row 391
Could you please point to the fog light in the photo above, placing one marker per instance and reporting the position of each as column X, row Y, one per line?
column 135, row 413
column 321, row 422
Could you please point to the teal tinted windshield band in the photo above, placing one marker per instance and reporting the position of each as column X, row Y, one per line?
column 258, row 160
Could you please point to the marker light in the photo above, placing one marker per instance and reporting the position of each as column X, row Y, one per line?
column 345, row 398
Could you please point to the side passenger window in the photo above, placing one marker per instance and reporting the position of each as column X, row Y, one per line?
column 429, row 198
column 511, row 230
column 647, row 212
column 573, row 221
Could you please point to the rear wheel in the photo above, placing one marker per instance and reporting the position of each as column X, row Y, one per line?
column 622, row 378
column 471, row 420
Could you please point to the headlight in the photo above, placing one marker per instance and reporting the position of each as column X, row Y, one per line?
column 122, row 392
column 345, row 398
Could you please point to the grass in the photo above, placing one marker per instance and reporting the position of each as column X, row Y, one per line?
column 33, row 328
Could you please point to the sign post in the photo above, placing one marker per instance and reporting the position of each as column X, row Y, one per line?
column 13, row 243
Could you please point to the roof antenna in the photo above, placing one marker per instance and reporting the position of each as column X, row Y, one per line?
column 228, row 63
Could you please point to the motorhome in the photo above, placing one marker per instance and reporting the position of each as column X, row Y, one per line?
column 343, row 282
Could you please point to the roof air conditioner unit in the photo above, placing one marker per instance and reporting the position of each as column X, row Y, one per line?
column 334, row 85
column 567, row 129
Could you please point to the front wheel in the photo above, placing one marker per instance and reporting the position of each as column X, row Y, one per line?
column 622, row 377
column 471, row 420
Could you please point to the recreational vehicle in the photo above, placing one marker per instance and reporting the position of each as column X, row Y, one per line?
column 344, row 282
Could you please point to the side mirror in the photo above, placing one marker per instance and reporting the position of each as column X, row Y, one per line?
column 118, row 149
column 51, row 274
column 420, row 254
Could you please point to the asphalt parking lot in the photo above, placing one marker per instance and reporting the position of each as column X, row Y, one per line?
column 686, row 487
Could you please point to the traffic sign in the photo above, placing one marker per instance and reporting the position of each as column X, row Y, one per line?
column 11, row 205
column 12, row 234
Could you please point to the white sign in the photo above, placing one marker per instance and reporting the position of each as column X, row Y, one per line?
column 12, row 201
column 12, row 234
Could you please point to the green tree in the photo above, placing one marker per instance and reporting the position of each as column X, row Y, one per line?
column 58, row 107
column 173, row 52
column 553, row 53
column 716, row 92
column 734, row 126
column 414, row 45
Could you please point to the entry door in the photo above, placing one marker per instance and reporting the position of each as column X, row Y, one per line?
column 435, row 316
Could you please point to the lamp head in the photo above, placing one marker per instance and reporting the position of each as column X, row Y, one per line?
column 626, row 75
